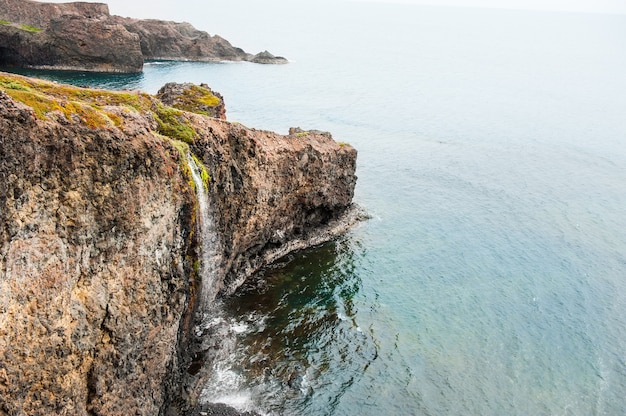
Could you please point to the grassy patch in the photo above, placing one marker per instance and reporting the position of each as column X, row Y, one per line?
column 13, row 85
column 89, row 105
column 4, row 22
column 41, row 104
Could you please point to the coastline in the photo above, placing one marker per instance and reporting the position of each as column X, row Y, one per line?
column 103, row 243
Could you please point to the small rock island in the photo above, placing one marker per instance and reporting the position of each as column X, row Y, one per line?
column 84, row 36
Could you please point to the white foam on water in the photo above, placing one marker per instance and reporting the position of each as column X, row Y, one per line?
column 239, row 327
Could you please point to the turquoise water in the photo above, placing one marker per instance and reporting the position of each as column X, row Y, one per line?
column 491, row 279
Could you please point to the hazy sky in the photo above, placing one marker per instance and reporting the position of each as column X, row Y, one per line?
column 161, row 8
column 594, row 6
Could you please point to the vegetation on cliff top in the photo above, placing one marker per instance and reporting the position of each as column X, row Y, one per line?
column 196, row 99
column 94, row 108
column 89, row 106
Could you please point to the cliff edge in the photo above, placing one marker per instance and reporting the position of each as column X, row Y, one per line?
column 100, row 264
column 84, row 36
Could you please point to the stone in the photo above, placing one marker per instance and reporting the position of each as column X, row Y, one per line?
column 84, row 36
column 98, row 241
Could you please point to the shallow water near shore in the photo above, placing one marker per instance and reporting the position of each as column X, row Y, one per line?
column 491, row 278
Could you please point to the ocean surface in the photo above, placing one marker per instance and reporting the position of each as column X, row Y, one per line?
column 491, row 278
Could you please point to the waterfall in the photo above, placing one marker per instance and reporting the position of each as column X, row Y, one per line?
column 209, row 254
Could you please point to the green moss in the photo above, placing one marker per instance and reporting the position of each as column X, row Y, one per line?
column 184, row 152
column 4, row 22
column 173, row 124
column 343, row 144
column 302, row 134
column 204, row 173
column 29, row 28
column 12, row 85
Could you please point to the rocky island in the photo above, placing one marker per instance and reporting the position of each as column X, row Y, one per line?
column 86, row 37
column 122, row 214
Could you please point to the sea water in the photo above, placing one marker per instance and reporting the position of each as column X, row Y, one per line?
column 491, row 278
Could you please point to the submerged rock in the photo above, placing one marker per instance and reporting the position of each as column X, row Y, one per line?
column 98, row 243
column 84, row 36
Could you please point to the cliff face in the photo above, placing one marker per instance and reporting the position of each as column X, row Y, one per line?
column 39, row 14
column 162, row 40
column 72, row 43
column 98, row 240
column 84, row 36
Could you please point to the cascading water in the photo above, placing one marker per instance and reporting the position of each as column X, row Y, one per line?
column 222, row 383
column 209, row 254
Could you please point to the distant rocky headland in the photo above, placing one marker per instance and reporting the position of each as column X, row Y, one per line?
column 122, row 214
column 86, row 37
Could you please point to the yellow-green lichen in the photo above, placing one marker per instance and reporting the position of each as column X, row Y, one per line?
column 196, row 99
column 24, row 27
column 29, row 28
column 87, row 105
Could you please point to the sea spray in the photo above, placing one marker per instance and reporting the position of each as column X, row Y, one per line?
column 209, row 254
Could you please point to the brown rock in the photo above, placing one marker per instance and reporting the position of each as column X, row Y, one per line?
column 197, row 99
column 98, row 241
column 172, row 41
column 84, row 36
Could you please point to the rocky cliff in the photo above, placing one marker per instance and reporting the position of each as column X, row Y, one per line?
column 99, row 246
column 84, row 36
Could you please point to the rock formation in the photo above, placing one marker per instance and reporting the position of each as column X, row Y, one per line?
column 84, row 36
column 98, row 241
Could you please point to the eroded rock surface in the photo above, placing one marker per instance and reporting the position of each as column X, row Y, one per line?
column 98, row 244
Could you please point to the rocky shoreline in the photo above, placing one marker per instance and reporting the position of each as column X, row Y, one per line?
column 84, row 36
column 99, row 246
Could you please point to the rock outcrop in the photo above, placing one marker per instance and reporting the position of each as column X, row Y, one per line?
column 98, row 241
column 84, row 36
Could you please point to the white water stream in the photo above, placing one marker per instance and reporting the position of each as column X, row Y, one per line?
column 209, row 253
